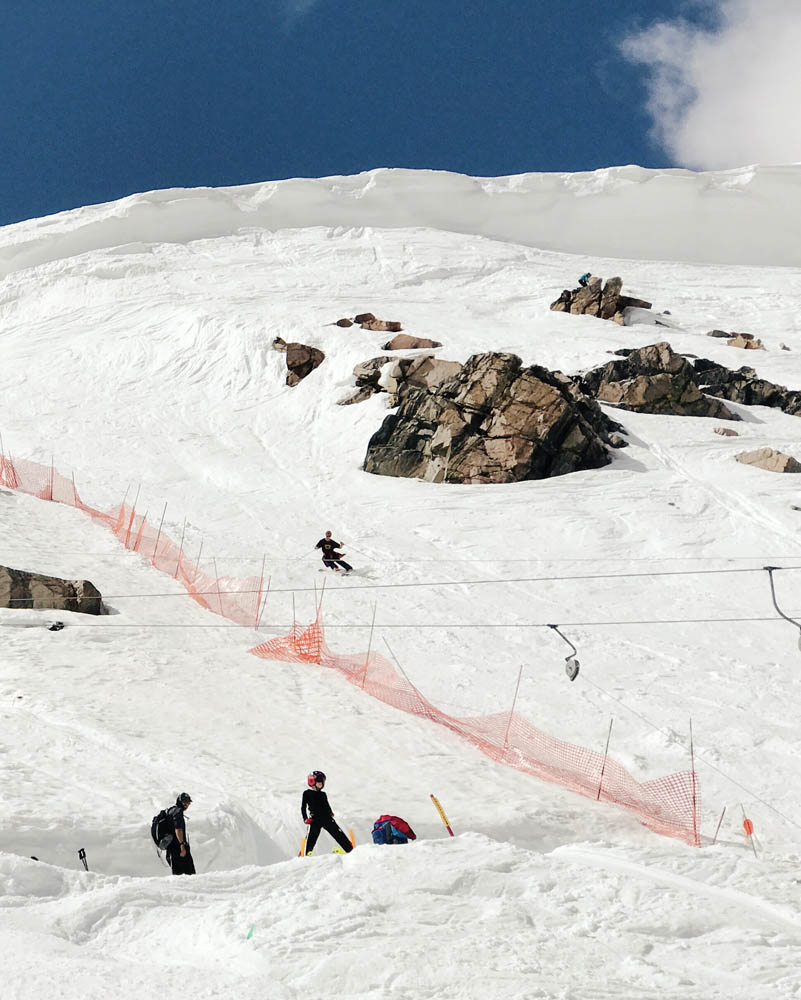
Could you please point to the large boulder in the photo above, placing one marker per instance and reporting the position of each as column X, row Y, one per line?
column 492, row 422
column 21, row 589
column 597, row 299
column 770, row 460
column 404, row 342
column 300, row 361
column 744, row 386
column 653, row 379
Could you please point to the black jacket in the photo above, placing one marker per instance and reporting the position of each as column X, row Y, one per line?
column 329, row 547
column 316, row 803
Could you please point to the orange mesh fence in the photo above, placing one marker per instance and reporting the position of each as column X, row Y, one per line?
column 668, row 805
column 235, row 598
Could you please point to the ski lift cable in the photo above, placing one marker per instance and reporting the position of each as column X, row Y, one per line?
column 462, row 583
column 410, row 625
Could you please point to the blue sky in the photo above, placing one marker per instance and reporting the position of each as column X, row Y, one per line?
column 102, row 98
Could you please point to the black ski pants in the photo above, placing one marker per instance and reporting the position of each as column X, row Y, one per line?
column 180, row 865
column 331, row 828
column 334, row 563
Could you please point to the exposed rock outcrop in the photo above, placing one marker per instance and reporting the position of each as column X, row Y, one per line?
column 653, row 379
column 770, row 460
column 728, row 432
column 420, row 370
column 423, row 370
column 382, row 326
column 403, row 342
column 21, row 589
column 492, row 422
column 300, row 359
column 744, row 386
column 367, row 321
column 597, row 299
column 747, row 341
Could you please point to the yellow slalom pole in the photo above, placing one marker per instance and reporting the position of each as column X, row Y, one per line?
column 442, row 815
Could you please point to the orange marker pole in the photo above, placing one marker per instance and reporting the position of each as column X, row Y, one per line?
column 748, row 826
column 302, row 852
column 442, row 815
column 352, row 838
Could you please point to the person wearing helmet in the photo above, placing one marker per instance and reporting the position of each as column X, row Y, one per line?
column 317, row 814
column 331, row 558
column 179, row 854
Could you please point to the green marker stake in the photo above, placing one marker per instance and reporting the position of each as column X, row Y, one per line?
column 250, row 932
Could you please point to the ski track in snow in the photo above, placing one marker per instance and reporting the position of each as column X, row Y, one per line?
column 149, row 366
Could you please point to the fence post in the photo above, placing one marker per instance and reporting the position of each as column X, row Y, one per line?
column 130, row 521
column 158, row 535
column 217, row 581
column 695, row 795
column 180, row 551
column 369, row 646
column 264, row 603
column 512, row 711
column 261, row 584
column 603, row 766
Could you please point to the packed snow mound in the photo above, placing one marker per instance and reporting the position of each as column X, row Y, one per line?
column 749, row 215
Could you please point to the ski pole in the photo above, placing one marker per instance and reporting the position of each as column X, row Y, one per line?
column 442, row 815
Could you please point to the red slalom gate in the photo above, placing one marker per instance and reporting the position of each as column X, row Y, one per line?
column 668, row 805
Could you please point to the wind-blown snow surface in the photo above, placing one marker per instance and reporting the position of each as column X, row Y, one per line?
column 151, row 364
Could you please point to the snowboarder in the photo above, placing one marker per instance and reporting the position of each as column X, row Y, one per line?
column 331, row 558
column 317, row 814
column 179, row 855
column 585, row 279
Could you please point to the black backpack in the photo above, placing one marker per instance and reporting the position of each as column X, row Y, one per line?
column 162, row 830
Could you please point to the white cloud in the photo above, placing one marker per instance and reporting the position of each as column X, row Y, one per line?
column 727, row 95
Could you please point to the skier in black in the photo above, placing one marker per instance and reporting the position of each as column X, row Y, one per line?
column 331, row 558
column 320, row 817
column 179, row 854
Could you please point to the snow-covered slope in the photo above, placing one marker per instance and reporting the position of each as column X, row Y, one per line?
column 149, row 364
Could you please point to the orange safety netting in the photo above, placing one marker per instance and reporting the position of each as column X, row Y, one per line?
column 235, row 598
column 668, row 805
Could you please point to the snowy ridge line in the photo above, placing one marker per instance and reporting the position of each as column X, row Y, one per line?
column 669, row 806
column 221, row 595
column 748, row 215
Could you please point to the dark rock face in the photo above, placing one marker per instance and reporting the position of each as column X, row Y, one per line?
column 301, row 360
column 653, row 379
column 593, row 300
column 744, row 386
column 492, row 422
column 21, row 589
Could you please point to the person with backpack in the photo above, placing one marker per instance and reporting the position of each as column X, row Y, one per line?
column 317, row 814
column 170, row 832
column 331, row 558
